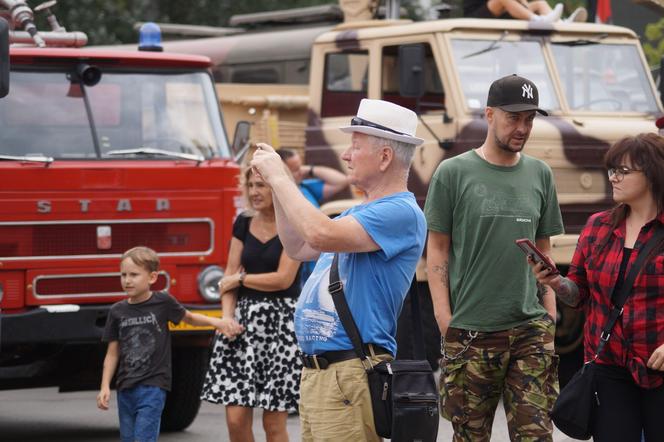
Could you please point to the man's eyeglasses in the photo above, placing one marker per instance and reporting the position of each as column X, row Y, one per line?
column 357, row 121
column 620, row 172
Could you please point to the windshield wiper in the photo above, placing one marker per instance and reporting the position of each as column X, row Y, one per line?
column 156, row 152
column 492, row 47
column 581, row 41
column 30, row 158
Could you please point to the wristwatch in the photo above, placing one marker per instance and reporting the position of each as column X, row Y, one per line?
column 241, row 280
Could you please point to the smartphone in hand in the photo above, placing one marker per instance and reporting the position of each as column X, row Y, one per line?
column 536, row 254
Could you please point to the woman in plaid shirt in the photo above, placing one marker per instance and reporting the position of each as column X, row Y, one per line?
column 630, row 371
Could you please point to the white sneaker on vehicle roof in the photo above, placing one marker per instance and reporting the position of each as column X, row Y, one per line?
column 552, row 16
column 579, row 15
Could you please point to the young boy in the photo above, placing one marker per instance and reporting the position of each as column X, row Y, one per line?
column 139, row 346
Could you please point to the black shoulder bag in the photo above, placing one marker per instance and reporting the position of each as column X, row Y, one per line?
column 575, row 409
column 404, row 397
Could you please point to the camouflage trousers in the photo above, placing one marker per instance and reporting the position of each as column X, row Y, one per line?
column 518, row 364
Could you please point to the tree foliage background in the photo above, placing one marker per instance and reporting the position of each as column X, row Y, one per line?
column 111, row 21
column 653, row 46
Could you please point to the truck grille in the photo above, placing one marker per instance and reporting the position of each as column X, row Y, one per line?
column 61, row 239
column 93, row 284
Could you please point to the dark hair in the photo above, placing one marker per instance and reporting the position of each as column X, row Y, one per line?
column 646, row 152
column 286, row 153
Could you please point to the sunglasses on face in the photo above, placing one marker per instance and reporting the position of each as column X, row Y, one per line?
column 620, row 172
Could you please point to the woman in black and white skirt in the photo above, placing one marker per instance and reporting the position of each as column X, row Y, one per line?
column 254, row 362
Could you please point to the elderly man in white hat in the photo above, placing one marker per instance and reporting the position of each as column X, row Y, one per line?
column 378, row 244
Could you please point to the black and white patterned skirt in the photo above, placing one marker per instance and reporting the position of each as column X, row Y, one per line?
column 260, row 368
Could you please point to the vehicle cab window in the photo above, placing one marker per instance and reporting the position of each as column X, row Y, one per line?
column 480, row 61
column 599, row 77
column 346, row 77
column 45, row 114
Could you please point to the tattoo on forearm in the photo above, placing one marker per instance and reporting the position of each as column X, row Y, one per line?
column 442, row 270
column 568, row 292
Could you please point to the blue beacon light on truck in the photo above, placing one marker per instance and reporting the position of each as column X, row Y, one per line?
column 149, row 38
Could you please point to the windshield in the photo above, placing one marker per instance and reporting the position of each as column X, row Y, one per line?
column 45, row 114
column 480, row 62
column 604, row 78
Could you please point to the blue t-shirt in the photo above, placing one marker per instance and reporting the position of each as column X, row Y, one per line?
column 375, row 283
column 312, row 189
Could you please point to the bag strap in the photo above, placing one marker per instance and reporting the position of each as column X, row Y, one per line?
column 336, row 290
column 626, row 289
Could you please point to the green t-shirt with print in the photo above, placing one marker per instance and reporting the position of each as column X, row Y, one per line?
column 485, row 208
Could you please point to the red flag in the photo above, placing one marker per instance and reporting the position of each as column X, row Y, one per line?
column 603, row 11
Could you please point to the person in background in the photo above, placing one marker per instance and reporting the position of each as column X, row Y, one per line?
column 537, row 10
column 139, row 346
column 497, row 324
column 254, row 361
column 317, row 183
column 629, row 373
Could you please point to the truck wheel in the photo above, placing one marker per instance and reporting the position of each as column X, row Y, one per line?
column 184, row 399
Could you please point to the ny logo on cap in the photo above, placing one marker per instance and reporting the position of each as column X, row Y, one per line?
column 527, row 91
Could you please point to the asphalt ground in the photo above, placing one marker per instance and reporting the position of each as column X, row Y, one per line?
column 45, row 415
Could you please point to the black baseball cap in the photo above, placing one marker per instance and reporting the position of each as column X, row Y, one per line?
column 514, row 94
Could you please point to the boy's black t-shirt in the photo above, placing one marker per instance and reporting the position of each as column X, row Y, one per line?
column 144, row 340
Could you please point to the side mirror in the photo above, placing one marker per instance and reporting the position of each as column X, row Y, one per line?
column 411, row 70
column 241, row 140
column 4, row 58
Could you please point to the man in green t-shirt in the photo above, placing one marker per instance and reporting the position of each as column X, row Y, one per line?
column 498, row 325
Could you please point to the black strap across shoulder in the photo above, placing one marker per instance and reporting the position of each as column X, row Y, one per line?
column 626, row 289
column 336, row 290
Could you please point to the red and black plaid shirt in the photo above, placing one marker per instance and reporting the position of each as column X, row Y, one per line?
column 640, row 330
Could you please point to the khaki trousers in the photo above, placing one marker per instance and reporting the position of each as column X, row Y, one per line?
column 335, row 404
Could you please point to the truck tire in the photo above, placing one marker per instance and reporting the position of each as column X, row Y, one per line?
column 184, row 399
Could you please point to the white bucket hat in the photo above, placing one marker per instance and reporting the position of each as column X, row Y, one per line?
column 385, row 120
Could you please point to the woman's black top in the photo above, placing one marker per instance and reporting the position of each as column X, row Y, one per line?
column 259, row 257
column 621, row 273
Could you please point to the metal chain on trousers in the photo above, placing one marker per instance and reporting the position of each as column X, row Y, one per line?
column 471, row 335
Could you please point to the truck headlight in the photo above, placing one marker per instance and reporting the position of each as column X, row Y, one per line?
column 208, row 283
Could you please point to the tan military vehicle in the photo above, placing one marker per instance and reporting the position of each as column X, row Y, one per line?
column 593, row 80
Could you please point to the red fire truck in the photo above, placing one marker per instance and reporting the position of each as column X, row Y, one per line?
column 101, row 151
